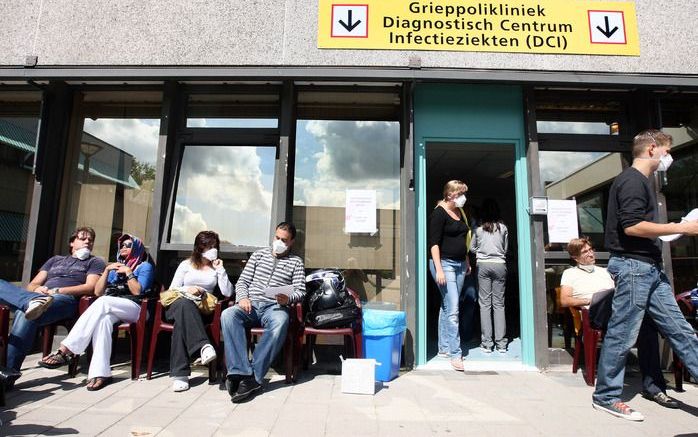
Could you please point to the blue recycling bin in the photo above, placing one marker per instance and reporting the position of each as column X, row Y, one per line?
column 383, row 333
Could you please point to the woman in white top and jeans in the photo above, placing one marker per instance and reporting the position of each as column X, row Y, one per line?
column 202, row 271
column 490, row 244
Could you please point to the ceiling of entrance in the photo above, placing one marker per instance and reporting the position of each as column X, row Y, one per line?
column 487, row 169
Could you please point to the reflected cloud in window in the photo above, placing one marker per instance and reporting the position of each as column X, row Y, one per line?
column 227, row 189
column 334, row 156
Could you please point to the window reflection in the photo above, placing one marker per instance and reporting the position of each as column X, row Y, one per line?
column 233, row 122
column 585, row 177
column 17, row 147
column 227, row 189
column 333, row 156
column 113, row 181
column 682, row 195
column 576, row 127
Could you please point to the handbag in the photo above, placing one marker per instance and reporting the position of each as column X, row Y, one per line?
column 205, row 302
column 169, row 296
column 117, row 290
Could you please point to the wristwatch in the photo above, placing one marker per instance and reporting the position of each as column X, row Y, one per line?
column 56, row 290
column 130, row 276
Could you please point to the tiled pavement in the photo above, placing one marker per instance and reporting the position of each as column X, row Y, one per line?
column 418, row 403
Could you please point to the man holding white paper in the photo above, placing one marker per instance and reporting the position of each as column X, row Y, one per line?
column 642, row 286
column 272, row 279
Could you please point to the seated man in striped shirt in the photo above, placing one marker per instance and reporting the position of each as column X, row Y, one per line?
column 269, row 267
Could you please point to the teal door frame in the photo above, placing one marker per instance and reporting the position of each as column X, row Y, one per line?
column 480, row 114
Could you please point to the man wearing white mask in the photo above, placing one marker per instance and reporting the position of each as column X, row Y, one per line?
column 588, row 285
column 642, row 287
column 52, row 295
column 267, row 268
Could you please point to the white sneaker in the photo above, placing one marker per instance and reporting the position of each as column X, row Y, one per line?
column 180, row 383
column 37, row 307
column 207, row 355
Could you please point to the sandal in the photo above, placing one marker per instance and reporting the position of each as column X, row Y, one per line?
column 98, row 383
column 56, row 360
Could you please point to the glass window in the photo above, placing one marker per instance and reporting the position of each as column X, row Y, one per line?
column 113, row 172
column 239, row 110
column 19, row 121
column 585, row 177
column 333, row 156
column 680, row 119
column 576, row 127
column 227, row 189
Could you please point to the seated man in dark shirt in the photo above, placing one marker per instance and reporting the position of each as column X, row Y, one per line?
column 51, row 296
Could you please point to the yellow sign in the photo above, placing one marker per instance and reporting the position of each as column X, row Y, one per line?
column 523, row 26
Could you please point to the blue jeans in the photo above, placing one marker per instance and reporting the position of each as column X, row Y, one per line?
column 23, row 331
column 640, row 288
column 273, row 317
column 449, row 337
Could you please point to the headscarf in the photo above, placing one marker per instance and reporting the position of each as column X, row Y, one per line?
column 137, row 254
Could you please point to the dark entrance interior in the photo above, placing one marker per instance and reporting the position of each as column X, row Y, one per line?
column 488, row 170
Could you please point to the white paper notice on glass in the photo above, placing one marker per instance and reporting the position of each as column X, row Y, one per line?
column 360, row 212
column 691, row 216
column 562, row 221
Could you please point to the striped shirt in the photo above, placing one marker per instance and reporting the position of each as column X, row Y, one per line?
column 264, row 270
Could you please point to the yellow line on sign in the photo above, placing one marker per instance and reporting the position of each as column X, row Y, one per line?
column 523, row 26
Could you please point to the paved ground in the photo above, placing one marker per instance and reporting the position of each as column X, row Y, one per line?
column 418, row 403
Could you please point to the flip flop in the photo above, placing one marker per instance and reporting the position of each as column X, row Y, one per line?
column 98, row 383
column 59, row 359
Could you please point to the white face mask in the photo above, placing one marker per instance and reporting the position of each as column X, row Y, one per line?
column 82, row 254
column 211, row 254
column 278, row 247
column 589, row 268
column 459, row 201
column 665, row 162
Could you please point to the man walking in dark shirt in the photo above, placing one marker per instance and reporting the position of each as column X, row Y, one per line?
column 635, row 263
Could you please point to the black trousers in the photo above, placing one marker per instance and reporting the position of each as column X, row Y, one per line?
column 188, row 336
column 648, row 357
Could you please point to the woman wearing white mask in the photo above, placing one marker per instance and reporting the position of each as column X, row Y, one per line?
column 448, row 234
column 201, row 272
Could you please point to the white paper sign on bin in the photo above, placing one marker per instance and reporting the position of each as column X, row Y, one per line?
column 359, row 376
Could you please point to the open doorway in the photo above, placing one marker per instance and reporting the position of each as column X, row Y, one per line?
column 488, row 170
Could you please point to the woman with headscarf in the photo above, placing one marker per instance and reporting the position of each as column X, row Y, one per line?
column 121, row 287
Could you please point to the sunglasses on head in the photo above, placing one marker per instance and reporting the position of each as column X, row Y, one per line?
column 127, row 244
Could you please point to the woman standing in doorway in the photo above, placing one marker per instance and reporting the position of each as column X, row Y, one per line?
column 490, row 244
column 449, row 265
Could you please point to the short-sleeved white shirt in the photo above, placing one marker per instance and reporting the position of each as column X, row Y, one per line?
column 585, row 284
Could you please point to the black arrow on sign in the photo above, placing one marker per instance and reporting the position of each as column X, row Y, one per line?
column 351, row 26
column 608, row 31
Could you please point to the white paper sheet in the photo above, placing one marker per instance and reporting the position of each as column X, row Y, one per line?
column 273, row 291
column 691, row 216
column 562, row 221
column 360, row 212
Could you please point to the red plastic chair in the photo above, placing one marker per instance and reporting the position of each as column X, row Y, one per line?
column 50, row 331
column 292, row 345
column 136, row 332
column 680, row 372
column 213, row 330
column 353, row 337
column 587, row 338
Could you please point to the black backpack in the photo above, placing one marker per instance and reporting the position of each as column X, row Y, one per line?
column 340, row 317
column 328, row 304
